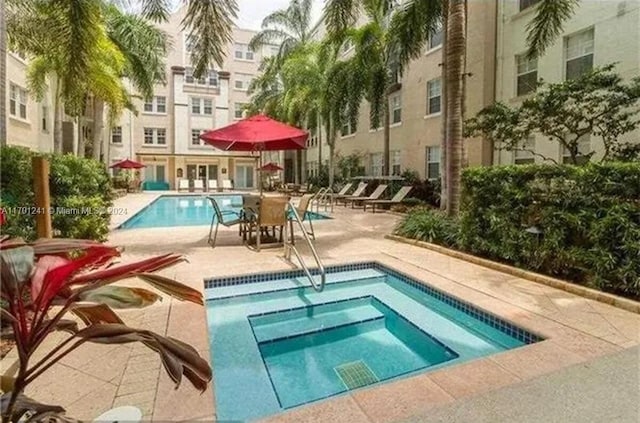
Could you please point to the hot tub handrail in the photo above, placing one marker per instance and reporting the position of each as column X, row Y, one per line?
column 289, row 247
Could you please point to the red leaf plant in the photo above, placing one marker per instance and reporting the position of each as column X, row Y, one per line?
column 45, row 280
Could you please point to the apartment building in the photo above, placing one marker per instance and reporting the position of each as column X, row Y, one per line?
column 599, row 33
column 416, row 108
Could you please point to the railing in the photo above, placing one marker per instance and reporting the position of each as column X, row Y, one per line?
column 290, row 247
column 323, row 197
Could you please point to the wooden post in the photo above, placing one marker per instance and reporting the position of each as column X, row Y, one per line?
column 43, row 201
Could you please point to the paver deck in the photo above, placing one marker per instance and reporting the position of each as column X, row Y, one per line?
column 96, row 378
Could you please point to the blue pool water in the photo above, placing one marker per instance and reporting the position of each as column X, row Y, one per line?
column 186, row 210
column 276, row 343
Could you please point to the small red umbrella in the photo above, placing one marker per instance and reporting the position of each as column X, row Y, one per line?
column 271, row 167
column 127, row 164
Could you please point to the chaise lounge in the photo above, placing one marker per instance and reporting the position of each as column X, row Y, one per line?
column 359, row 200
column 397, row 199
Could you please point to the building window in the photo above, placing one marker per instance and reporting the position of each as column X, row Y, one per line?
column 195, row 105
column 347, row 129
column 195, row 136
column 396, row 168
column 242, row 81
column 527, row 74
column 201, row 106
column 396, row 109
column 434, row 96
column 155, row 136
column 525, row 4
column 18, row 101
column 210, row 80
column 208, row 106
column 116, row 135
column 524, row 155
column 376, row 160
column 433, row 163
column 435, row 37
column 243, row 52
column 584, row 148
column 45, row 118
column 157, row 104
column 578, row 52
column 238, row 110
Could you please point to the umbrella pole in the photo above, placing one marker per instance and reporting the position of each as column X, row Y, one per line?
column 260, row 171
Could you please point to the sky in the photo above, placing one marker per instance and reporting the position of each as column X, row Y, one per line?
column 252, row 12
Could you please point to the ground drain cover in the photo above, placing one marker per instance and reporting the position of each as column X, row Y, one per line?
column 356, row 374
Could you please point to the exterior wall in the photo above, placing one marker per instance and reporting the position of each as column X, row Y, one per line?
column 417, row 129
column 616, row 26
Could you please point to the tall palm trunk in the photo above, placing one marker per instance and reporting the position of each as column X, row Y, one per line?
column 98, row 127
column 319, row 132
column 3, row 76
column 456, row 43
column 443, row 93
column 387, row 136
column 58, row 111
column 81, row 146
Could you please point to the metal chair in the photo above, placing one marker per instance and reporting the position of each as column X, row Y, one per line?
column 272, row 213
column 302, row 209
column 220, row 217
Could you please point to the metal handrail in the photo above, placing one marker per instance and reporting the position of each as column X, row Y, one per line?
column 323, row 197
column 289, row 247
column 316, row 199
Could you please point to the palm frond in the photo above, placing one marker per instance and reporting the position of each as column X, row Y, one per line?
column 547, row 24
column 156, row 10
column 340, row 14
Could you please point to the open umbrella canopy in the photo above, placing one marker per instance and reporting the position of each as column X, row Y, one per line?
column 270, row 167
column 257, row 133
column 127, row 164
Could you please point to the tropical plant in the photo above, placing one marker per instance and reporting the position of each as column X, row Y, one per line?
column 44, row 281
column 3, row 76
column 596, row 104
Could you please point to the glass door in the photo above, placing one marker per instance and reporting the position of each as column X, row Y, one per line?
column 244, row 177
column 213, row 172
column 202, row 173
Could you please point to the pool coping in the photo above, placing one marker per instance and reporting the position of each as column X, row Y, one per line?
column 583, row 291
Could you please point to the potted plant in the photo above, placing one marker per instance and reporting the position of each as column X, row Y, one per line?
column 47, row 281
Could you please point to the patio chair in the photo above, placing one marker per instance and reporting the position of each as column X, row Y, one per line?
column 302, row 208
column 359, row 200
column 362, row 186
column 271, row 214
column 227, row 218
column 183, row 184
column 198, row 184
column 342, row 192
column 397, row 199
column 226, row 184
column 212, row 185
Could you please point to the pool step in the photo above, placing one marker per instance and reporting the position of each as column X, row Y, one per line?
column 311, row 319
column 277, row 285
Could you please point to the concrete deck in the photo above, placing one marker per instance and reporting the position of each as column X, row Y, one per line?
column 578, row 331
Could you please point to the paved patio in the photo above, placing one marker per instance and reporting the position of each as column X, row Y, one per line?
column 96, row 378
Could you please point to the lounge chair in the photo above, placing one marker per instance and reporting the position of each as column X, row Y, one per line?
column 397, row 199
column 198, row 184
column 272, row 213
column 212, row 185
column 362, row 186
column 226, row 184
column 343, row 191
column 302, row 209
column 227, row 218
column 183, row 184
column 359, row 200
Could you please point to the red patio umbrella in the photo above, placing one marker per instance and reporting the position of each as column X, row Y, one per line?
column 127, row 164
column 270, row 167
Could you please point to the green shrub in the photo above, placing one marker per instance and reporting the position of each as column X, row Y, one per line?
column 430, row 226
column 78, row 186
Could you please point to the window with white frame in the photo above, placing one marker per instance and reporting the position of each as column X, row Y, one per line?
column 44, row 124
column 348, row 129
column 578, row 53
column 208, row 80
column 157, row 104
column 201, row 106
column 195, row 136
column 524, row 153
column 116, row 135
column 435, row 37
column 242, row 81
column 527, row 74
column 396, row 108
column 18, row 99
column 525, row 4
column 584, row 148
column 376, row 161
column 243, row 52
column 155, row 136
column 434, row 96
column 432, row 170
column 238, row 110
column 396, row 168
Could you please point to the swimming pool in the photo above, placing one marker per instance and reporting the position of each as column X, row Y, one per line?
column 277, row 344
column 186, row 210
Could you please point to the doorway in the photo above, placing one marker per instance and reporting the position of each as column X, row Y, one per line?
column 244, row 177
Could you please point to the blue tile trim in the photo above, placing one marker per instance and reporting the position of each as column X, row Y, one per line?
column 490, row 319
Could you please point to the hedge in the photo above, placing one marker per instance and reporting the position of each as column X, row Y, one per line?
column 577, row 223
column 78, row 186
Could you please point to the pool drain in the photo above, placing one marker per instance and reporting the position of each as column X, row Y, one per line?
column 356, row 374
